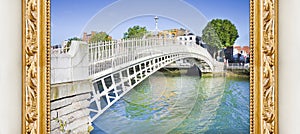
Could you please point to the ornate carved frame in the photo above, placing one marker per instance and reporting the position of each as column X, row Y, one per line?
column 263, row 74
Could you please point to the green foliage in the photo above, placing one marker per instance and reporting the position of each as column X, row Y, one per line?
column 135, row 32
column 74, row 38
column 101, row 36
column 90, row 128
column 67, row 46
column 62, row 126
column 220, row 33
column 71, row 39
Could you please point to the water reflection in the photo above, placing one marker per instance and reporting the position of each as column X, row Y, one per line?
column 180, row 104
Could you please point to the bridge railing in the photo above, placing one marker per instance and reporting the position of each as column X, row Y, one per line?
column 109, row 54
column 194, row 48
column 237, row 66
column 59, row 51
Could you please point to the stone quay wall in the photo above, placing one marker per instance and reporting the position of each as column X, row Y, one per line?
column 69, row 107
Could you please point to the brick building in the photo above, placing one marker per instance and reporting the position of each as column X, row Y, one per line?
column 87, row 37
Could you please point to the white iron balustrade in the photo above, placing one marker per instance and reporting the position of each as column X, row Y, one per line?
column 118, row 66
column 115, row 67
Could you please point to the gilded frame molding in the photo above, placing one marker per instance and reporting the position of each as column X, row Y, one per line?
column 263, row 74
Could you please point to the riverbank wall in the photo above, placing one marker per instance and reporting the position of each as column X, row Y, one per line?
column 69, row 107
column 225, row 73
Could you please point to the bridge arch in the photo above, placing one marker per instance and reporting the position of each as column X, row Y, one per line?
column 117, row 67
column 110, row 88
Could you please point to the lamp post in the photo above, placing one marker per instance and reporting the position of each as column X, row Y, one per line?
column 156, row 24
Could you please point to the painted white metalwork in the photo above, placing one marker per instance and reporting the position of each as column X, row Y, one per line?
column 108, row 56
column 118, row 66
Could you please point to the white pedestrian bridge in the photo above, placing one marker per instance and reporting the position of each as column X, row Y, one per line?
column 116, row 67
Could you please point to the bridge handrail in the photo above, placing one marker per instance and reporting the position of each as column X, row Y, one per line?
column 114, row 53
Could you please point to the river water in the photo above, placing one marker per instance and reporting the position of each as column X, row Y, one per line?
column 180, row 104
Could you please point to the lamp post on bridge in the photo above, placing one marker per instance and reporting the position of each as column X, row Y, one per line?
column 156, row 24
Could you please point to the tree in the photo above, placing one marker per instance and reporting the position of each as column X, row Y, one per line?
column 220, row 33
column 135, row 32
column 68, row 45
column 74, row 38
column 101, row 36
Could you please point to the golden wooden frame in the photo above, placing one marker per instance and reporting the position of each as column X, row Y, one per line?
column 263, row 74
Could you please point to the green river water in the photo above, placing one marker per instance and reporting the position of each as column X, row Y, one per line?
column 180, row 105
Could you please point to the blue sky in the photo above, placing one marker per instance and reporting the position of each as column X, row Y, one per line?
column 70, row 18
